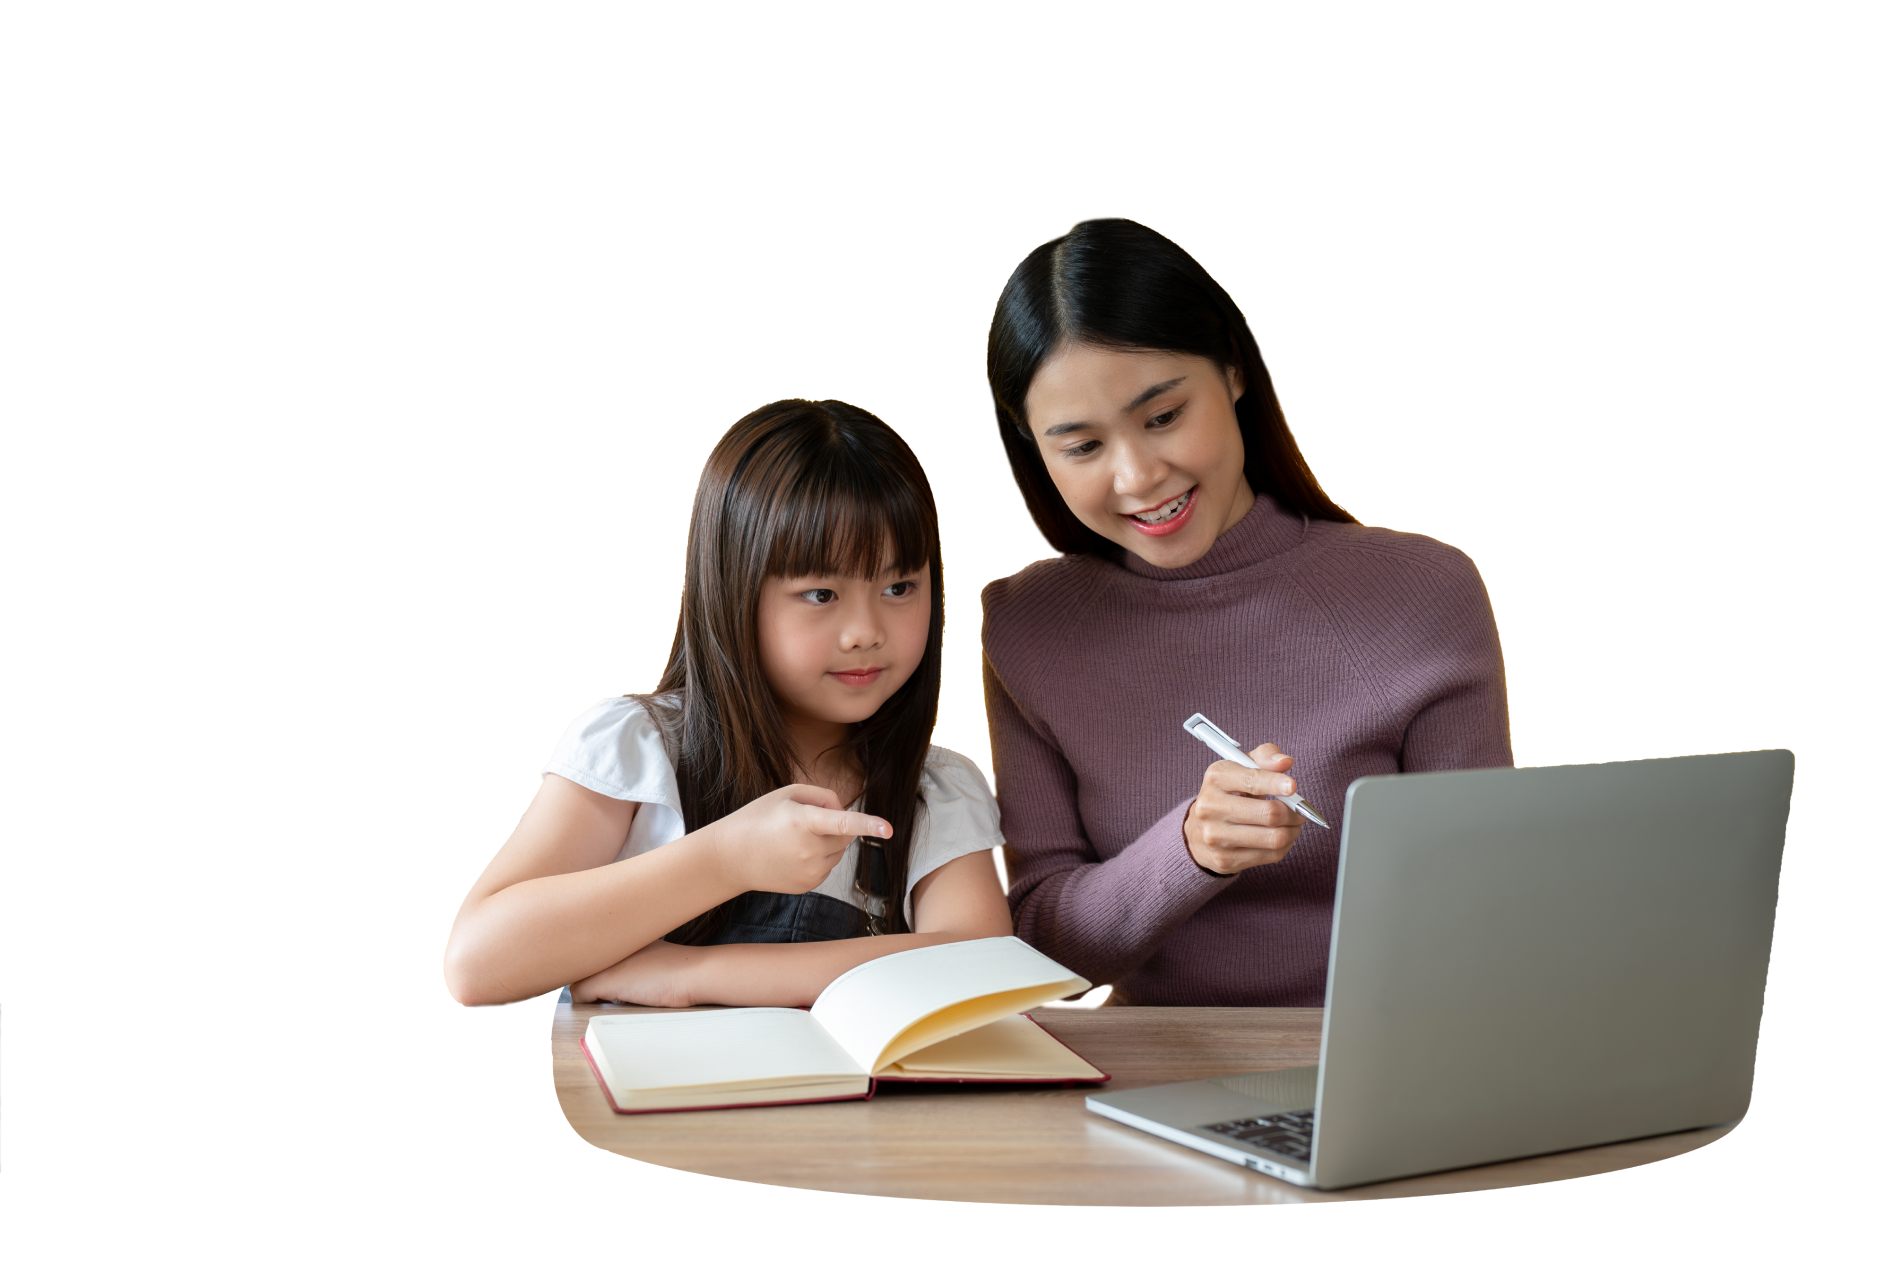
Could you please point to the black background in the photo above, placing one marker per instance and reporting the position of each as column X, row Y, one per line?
column 1577, row 396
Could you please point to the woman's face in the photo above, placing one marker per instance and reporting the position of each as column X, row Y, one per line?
column 1144, row 446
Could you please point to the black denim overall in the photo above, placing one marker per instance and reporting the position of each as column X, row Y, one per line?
column 760, row 917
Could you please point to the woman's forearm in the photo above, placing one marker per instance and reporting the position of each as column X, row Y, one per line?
column 1105, row 919
column 541, row 934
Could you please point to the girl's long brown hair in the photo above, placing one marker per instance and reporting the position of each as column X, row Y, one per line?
column 796, row 489
column 1120, row 285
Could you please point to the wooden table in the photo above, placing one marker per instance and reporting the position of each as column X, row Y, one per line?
column 1010, row 1145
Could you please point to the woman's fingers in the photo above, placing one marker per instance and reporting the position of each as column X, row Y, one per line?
column 1271, row 759
column 1247, row 811
column 1245, row 844
column 1238, row 783
column 1244, row 839
column 1236, row 825
column 1229, row 777
column 1233, row 825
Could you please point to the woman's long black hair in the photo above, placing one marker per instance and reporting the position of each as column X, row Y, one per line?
column 1120, row 285
column 796, row 489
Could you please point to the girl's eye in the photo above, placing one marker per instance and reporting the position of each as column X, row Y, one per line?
column 901, row 590
column 820, row 596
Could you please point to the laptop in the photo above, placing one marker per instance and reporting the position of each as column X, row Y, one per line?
column 1522, row 961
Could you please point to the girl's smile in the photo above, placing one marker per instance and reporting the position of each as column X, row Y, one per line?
column 859, row 679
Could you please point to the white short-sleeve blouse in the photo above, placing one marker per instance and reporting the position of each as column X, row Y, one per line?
column 614, row 748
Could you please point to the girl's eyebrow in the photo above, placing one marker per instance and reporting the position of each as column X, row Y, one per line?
column 880, row 575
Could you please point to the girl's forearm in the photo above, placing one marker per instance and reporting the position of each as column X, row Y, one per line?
column 789, row 974
column 541, row 934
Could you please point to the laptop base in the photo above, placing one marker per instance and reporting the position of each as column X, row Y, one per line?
column 1183, row 1112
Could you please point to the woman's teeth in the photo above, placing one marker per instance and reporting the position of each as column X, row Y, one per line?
column 1167, row 510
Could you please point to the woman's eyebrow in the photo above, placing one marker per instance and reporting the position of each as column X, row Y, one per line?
column 1069, row 427
column 1152, row 393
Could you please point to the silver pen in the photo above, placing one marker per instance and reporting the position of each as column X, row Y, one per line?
column 1227, row 748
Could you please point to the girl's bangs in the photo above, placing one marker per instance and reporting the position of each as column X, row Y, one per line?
column 850, row 522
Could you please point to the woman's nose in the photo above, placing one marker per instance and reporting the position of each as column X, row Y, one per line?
column 1137, row 472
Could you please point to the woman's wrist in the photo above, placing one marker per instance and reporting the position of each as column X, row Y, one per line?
column 1185, row 835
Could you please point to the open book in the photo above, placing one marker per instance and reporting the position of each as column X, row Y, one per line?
column 949, row 1012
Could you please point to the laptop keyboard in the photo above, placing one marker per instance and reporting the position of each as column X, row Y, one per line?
column 1286, row 1134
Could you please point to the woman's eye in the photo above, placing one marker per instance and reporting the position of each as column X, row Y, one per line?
column 820, row 596
column 1164, row 418
column 1082, row 449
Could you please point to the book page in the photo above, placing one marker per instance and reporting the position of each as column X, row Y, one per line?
column 739, row 1047
column 1011, row 1047
column 889, row 1007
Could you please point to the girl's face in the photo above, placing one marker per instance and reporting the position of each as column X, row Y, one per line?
column 834, row 648
column 1144, row 447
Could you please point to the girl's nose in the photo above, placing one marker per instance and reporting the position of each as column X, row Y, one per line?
column 861, row 630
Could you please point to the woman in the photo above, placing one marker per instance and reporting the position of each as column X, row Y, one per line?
column 1203, row 570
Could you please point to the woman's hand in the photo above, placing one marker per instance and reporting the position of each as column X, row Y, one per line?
column 1229, row 827
column 661, row 974
column 788, row 840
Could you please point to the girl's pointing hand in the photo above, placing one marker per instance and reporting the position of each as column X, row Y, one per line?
column 789, row 840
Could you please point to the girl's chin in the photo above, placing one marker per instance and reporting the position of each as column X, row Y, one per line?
column 839, row 700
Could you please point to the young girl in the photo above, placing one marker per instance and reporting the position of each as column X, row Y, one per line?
column 773, row 814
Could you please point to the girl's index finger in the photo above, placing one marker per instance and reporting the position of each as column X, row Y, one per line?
column 848, row 822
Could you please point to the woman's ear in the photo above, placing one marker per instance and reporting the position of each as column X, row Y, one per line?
column 1234, row 379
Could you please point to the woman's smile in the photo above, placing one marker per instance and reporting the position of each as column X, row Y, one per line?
column 1168, row 516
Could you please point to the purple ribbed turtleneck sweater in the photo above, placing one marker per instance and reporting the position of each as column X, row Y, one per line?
column 1357, row 650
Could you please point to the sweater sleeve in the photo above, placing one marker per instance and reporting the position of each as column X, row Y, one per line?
column 1464, row 725
column 1429, row 645
column 1100, row 916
